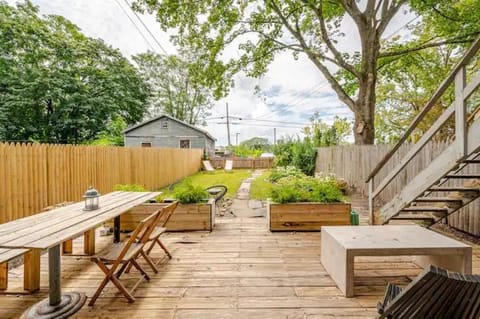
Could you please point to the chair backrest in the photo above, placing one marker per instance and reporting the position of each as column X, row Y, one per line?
column 228, row 165
column 166, row 213
column 152, row 222
column 208, row 166
column 144, row 225
column 437, row 293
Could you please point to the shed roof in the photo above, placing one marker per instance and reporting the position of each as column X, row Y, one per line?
column 131, row 128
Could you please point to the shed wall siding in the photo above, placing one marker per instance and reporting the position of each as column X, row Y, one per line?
column 167, row 137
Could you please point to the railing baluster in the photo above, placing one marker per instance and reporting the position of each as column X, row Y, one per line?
column 460, row 112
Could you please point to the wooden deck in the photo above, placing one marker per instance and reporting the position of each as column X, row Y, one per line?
column 240, row 270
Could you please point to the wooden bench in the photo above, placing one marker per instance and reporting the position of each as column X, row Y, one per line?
column 341, row 244
column 31, row 277
column 435, row 293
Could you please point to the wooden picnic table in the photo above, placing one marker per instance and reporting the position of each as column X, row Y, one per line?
column 50, row 229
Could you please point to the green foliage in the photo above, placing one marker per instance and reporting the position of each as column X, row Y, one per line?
column 176, row 89
column 322, row 134
column 281, row 172
column 245, row 151
column 113, row 133
column 56, row 84
column 304, row 157
column 339, row 183
column 129, row 188
column 296, row 153
column 305, row 189
column 187, row 193
column 257, row 143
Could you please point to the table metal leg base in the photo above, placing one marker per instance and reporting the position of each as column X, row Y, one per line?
column 70, row 303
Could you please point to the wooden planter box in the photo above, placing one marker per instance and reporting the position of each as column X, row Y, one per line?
column 187, row 217
column 307, row 216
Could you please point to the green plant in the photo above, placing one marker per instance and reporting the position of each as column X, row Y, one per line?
column 340, row 183
column 305, row 189
column 301, row 154
column 190, row 194
column 281, row 172
column 129, row 188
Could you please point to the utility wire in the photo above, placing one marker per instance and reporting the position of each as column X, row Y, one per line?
column 399, row 29
column 146, row 28
column 136, row 26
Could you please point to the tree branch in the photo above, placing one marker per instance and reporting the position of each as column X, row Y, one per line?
column 326, row 38
column 463, row 39
column 387, row 15
column 342, row 95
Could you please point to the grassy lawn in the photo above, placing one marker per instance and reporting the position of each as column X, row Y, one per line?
column 232, row 180
column 260, row 188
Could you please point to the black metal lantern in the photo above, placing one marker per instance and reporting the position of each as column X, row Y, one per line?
column 91, row 199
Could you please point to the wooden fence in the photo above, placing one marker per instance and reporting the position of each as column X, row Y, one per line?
column 354, row 163
column 34, row 176
column 244, row 162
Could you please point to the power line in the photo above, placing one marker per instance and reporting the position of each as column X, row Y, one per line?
column 403, row 26
column 146, row 28
column 136, row 26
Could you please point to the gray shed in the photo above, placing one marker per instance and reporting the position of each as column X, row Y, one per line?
column 167, row 131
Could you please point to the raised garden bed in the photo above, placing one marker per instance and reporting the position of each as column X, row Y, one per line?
column 307, row 216
column 187, row 217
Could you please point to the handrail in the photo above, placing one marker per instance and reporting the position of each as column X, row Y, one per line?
column 428, row 106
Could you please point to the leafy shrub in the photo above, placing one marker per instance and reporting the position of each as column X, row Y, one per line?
column 305, row 189
column 281, row 172
column 129, row 188
column 297, row 153
column 189, row 194
column 340, row 183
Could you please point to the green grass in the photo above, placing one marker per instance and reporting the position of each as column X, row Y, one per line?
column 261, row 188
column 232, row 180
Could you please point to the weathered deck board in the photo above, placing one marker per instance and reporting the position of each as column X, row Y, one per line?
column 240, row 270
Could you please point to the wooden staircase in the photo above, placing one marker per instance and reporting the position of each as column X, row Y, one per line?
column 434, row 193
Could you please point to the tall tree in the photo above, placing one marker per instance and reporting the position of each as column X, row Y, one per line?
column 56, row 84
column 176, row 90
column 407, row 81
column 311, row 27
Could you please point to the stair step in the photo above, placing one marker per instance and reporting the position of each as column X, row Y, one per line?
column 453, row 189
column 463, row 176
column 425, row 209
column 472, row 161
column 438, row 199
column 414, row 217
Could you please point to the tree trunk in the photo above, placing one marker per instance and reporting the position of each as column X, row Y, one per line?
column 364, row 130
column 364, row 125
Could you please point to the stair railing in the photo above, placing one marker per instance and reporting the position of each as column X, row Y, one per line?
column 458, row 109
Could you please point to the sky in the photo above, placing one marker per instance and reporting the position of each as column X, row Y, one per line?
column 291, row 91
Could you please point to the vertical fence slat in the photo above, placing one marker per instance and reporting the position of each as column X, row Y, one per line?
column 39, row 175
column 355, row 162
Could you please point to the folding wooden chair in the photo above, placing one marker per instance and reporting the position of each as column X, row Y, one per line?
column 154, row 236
column 435, row 293
column 163, row 219
column 122, row 255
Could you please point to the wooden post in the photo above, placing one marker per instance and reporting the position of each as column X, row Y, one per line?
column 371, row 215
column 89, row 242
column 460, row 113
column 4, row 276
column 67, row 247
column 54, row 273
column 31, row 277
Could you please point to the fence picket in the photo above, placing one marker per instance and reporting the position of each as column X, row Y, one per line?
column 35, row 176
